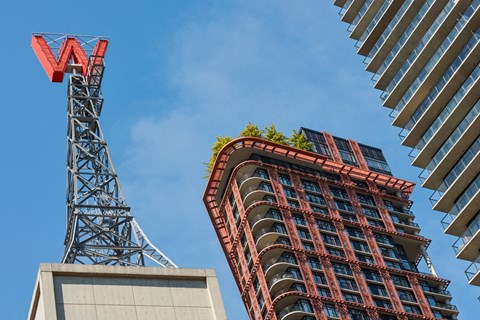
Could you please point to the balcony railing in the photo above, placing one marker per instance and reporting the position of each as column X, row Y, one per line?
column 445, row 306
column 301, row 305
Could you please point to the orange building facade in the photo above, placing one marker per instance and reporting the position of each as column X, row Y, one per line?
column 321, row 235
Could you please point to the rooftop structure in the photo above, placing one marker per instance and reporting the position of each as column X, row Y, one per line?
column 100, row 228
column 424, row 56
column 95, row 292
column 321, row 235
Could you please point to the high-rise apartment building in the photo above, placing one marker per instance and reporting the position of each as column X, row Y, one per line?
column 424, row 56
column 321, row 235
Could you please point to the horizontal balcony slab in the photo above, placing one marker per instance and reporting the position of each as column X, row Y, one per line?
column 365, row 20
column 437, row 106
column 434, row 180
column 459, row 225
column 470, row 250
column 447, row 200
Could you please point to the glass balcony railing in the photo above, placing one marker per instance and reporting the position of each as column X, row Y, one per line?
column 464, row 161
column 472, row 270
column 436, row 290
column 466, row 196
column 301, row 305
column 362, row 11
column 405, row 36
column 444, row 305
column 451, row 141
column 421, row 44
column 443, row 116
column 472, row 230
column 437, row 56
column 374, row 21
column 386, row 33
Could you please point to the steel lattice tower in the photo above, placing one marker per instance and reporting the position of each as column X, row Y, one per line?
column 100, row 227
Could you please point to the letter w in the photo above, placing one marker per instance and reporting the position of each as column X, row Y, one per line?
column 70, row 48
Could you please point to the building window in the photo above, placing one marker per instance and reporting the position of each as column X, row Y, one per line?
column 308, row 246
column 349, row 217
column 339, row 193
column 293, row 204
column 352, row 297
column 314, row 263
column 311, row 186
column 356, row 314
column 330, row 310
column 282, row 240
column 360, row 246
column 365, row 199
column 347, row 284
column 313, row 198
column 304, row 234
column 406, row 295
column 412, row 309
column 299, row 220
column 290, row 193
column 345, row 151
column 319, row 278
column 285, row 179
column 331, row 239
column 261, row 302
column 261, row 173
column 326, row 225
column 324, row 292
column 378, row 290
column 265, row 186
column 400, row 281
column 372, row 275
column 370, row 212
column 342, row 269
column 319, row 210
column 365, row 258
column 384, row 239
column 383, row 304
column 355, row 232
column 345, row 206
column 335, row 252
column 318, row 140
column 269, row 198
column 375, row 223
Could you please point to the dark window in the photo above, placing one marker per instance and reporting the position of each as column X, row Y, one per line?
column 299, row 220
column 290, row 193
column 285, row 179
column 315, row 199
column 311, row 186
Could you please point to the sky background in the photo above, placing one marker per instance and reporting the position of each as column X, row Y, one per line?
column 178, row 74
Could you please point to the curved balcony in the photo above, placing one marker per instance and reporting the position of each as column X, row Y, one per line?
column 296, row 308
column 256, row 194
column 295, row 287
column 266, row 220
column 249, row 171
column 279, row 264
column 283, row 280
column 251, row 184
column 268, row 236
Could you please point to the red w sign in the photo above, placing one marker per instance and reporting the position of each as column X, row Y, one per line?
column 70, row 50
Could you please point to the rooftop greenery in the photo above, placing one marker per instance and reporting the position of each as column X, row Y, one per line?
column 297, row 140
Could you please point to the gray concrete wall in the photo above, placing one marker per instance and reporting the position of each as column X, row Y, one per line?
column 80, row 292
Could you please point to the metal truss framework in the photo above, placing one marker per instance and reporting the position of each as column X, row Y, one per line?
column 100, row 228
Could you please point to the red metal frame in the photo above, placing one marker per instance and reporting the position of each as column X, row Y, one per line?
column 70, row 49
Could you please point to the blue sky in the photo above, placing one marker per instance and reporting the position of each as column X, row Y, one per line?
column 178, row 74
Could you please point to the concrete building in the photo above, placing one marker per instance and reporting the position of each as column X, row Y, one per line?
column 96, row 292
column 321, row 235
column 424, row 56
